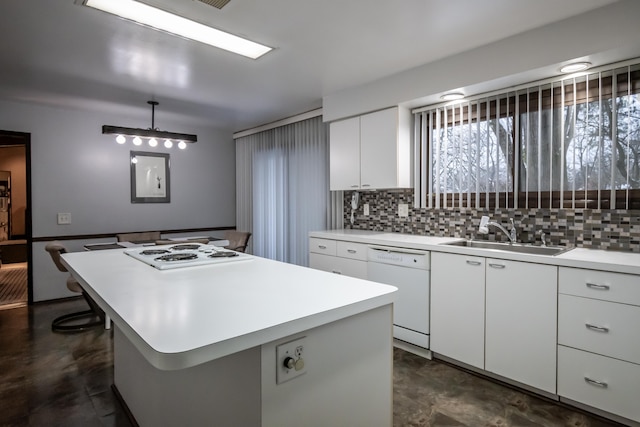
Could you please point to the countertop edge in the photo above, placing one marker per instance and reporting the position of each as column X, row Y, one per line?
column 569, row 258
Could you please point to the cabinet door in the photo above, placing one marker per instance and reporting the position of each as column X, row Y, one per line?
column 344, row 154
column 521, row 322
column 457, row 307
column 379, row 149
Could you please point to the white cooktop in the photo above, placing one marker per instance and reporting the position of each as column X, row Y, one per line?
column 165, row 257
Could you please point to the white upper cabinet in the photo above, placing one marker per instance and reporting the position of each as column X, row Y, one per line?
column 371, row 151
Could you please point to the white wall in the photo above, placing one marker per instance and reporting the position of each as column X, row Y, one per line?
column 76, row 169
column 604, row 35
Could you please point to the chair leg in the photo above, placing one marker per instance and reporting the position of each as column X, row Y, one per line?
column 60, row 324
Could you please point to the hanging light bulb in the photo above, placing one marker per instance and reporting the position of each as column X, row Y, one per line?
column 137, row 140
column 168, row 143
column 182, row 145
column 153, row 142
column 120, row 139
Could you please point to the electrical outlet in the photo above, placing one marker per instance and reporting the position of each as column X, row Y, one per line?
column 366, row 209
column 403, row 210
column 64, row 218
column 290, row 360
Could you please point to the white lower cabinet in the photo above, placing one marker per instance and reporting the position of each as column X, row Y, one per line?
column 338, row 257
column 496, row 315
column 601, row 382
column 598, row 344
column 457, row 307
column 521, row 322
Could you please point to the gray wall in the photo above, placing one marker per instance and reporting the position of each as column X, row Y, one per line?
column 76, row 169
column 604, row 35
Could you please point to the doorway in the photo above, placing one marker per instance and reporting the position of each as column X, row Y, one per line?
column 16, row 270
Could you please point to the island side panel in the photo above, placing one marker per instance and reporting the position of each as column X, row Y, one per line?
column 224, row 392
column 348, row 379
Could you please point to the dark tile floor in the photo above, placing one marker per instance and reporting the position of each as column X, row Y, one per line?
column 49, row 379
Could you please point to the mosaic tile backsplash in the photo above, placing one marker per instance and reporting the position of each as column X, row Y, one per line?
column 588, row 228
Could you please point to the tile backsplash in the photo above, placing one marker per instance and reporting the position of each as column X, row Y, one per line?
column 588, row 228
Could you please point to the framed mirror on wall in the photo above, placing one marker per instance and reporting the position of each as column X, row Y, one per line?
column 150, row 177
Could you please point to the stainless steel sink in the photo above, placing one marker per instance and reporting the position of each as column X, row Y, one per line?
column 512, row 247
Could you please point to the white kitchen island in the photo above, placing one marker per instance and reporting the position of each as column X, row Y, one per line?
column 198, row 345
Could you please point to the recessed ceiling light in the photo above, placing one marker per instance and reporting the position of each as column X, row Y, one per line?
column 575, row 67
column 453, row 96
column 177, row 25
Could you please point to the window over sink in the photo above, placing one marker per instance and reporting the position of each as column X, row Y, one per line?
column 569, row 142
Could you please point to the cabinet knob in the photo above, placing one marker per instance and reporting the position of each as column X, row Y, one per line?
column 473, row 262
column 322, row 247
column 336, row 271
column 497, row 265
column 351, row 251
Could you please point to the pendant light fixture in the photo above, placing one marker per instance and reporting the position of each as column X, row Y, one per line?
column 152, row 135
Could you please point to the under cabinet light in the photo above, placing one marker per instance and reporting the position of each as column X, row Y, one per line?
column 177, row 25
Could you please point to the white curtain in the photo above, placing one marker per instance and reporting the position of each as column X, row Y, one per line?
column 282, row 180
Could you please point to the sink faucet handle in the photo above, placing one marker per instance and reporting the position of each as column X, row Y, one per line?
column 543, row 237
column 512, row 233
column 483, row 228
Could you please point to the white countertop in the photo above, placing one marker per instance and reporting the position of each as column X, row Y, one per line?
column 187, row 316
column 614, row 261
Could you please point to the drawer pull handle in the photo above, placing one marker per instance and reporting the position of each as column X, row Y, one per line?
column 336, row 271
column 596, row 328
column 473, row 262
column 322, row 246
column 497, row 265
column 596, row 383
column 596, row 286
column 351, row 251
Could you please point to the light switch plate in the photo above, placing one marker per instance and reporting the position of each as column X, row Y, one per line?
column 64, row 218
column 403, row 210
column 366, row 209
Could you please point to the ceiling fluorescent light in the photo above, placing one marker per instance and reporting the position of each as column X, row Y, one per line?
column 152, row 134
column 177, row 25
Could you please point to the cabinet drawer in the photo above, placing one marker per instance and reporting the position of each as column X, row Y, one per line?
column 615, row 287
column 351, row 250
column 601, row 327
column 337, row 265
column 620, row 382
column 322, row 246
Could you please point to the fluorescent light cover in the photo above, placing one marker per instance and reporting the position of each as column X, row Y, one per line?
column 452, row 96
column 174, row 24
column 575, row 67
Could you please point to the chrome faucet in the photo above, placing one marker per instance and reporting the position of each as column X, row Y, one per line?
column 484, row 228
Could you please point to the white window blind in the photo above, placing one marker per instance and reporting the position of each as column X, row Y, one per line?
column 568, row 143
column 282, row 188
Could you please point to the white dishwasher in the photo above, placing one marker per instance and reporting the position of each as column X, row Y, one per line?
column 408, row 270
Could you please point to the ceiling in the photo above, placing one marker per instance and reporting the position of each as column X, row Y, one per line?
column 57, row 52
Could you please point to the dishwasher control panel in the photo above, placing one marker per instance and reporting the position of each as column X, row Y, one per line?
column 397, row 256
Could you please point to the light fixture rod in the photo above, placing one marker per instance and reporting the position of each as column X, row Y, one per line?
column 153, row 113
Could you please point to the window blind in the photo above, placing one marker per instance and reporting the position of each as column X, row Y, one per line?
column 572, row 142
